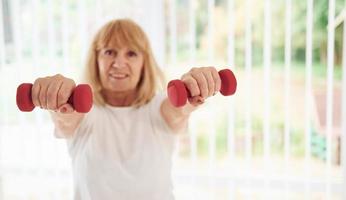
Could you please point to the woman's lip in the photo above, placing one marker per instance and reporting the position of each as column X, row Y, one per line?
column 119, row 76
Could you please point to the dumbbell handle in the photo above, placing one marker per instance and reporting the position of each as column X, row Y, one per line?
column 178, row 93
column 81, row 98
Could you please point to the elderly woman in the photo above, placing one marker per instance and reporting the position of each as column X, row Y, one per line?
column 122, row 148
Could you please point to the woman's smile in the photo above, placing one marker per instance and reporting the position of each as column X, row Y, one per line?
column 118, row 76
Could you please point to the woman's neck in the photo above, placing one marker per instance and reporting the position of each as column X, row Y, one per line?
column 119, row 99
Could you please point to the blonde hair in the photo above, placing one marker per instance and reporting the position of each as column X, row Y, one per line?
column 119, row 33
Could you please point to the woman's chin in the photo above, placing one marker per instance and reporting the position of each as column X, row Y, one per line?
column 119, row 89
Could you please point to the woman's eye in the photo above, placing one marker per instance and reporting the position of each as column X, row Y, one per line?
column 109, row 52
column 131, row 53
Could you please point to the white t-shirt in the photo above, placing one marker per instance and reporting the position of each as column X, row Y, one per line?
column 123, row 153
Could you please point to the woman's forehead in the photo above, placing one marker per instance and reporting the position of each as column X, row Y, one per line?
column 116, row 43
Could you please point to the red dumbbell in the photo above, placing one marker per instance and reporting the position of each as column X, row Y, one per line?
column 178, row 93
column 81, row 99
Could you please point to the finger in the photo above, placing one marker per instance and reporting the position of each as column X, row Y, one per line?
column 217, row 80
column 66, row 108
column 52, row 94
column 202, row 83
column 43, row 94
column 210, row 81
column 64, row 93
column 35, row 91
column 191, row 85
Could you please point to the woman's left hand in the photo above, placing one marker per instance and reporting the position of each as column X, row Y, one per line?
column 201, row 82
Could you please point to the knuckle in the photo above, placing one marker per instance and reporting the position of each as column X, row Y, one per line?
column 58, row 78
column 70, row 82
column 196, row 75
column 38, row 81
column 213, row 70
column 194, row 69
column 184, row 77
column 188, row 80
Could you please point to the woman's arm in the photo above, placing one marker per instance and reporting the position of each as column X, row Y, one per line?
column 176, row 118
column 202, row 83
column 66, row 123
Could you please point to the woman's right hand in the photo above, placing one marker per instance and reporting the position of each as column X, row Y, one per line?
column 53, row 92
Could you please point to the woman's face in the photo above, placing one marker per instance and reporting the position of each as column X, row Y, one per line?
column 120, row 69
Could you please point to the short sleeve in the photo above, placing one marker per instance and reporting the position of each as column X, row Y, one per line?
column 157, row 119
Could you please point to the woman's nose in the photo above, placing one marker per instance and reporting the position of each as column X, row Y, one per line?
column 119, row 62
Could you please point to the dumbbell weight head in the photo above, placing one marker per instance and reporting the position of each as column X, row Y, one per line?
column 177, row 93
column 81, row 98
column 228, row 82
column 23, row 97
